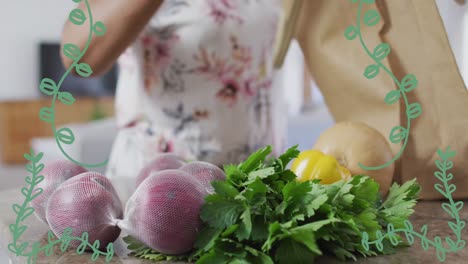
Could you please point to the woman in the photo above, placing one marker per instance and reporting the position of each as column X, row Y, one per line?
column 195, row 79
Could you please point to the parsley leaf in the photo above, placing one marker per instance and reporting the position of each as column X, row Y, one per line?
column 261, row 213
column 221, row 212
column 290, row 251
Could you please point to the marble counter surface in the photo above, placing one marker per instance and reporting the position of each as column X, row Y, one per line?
column 428, row 213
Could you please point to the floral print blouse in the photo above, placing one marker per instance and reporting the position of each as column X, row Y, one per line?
column 199, row 82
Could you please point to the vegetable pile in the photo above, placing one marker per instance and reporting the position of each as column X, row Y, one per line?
column 262, row 214
column 163, row 212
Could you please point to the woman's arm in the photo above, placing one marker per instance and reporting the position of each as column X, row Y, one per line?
column 124, row 21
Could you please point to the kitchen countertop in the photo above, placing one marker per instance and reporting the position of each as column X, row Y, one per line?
column 428, row 213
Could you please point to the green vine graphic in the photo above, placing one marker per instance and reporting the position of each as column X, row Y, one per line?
column 451, row 207
column 407, row 83
column 51, row 88
column 24, row 211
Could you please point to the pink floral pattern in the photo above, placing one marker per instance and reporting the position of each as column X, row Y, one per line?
column 223, row 10
column 198, row 83
column 156, row 55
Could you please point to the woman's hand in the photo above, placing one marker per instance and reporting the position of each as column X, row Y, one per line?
column 124, row 21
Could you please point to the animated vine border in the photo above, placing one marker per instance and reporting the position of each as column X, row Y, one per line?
column 451, row 207
column 51, row 88
column 407, row 84
column 399, row 134
column 23, row 211
column 62, row 136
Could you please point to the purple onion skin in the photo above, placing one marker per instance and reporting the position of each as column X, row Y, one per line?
column 86, row 203
column 166, row 161
column 205, row 172
column 55, row 173
column 164, row 212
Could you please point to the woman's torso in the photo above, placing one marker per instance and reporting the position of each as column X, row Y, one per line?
column 198, row 80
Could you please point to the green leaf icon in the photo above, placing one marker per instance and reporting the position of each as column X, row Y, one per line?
column 448, row 165
column 20, row 230
column 25, row 191
column 99, row 28
column 448, row 209
column 409, row 82
column 350, row 32
column 84, row 244
column 77, row 1
column 461, row 244
column 66, row 98
column 414, row 110
column 440, row 165
column 16, row 208
column 440, row 189
column 46, row 114
column 95, row 255
column 451, row 243
column 453, row 226
column 371, row 17
column 38, row 157
column 379, row 245
column 372, row 71
column 393, row 239
column 27, row 156
column 365, row 241
column 39, row 168
column 381, row 51
column 449, row 176
column 368, row 1
column 65, row 135
column 451, row 188
column 462, row 224
column 23, row 246
column 409, row 237
column 84, row 70
column 64, row 244
column 439, row 175
column 48, row 86
column 37, row 192
column 398, row 134
column 392, row 97
column 29, row 211
column 440, row 254
column 49, row 250
column 424, row 243
column 71, row 51
column 12, row 248
column 77, row 17
column 110, row 252
column 447, row 154
column 408, row 225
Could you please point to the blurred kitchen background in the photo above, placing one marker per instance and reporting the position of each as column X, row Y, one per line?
column 29, row 51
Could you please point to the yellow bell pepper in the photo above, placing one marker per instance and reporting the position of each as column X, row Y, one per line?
column 313, row 164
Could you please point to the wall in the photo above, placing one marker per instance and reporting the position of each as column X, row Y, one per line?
column 455, row 18
column 23, row 24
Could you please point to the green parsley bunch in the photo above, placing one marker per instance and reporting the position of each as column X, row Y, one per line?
column 261, row 214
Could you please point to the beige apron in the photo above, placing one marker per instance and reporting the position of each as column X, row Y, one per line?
column 419, row 46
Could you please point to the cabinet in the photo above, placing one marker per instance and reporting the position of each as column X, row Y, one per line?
column 19, row 122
